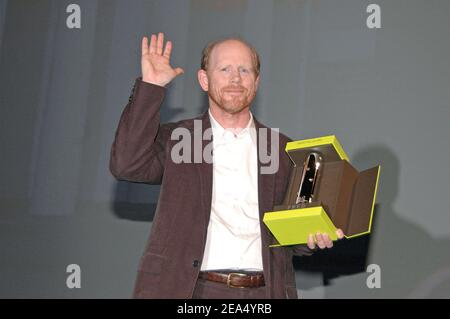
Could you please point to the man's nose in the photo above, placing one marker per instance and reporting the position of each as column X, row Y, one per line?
column 235, row 76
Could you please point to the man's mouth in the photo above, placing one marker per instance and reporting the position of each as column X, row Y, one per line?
column 234, row 91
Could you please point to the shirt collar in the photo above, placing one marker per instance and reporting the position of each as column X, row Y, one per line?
column 219, row 131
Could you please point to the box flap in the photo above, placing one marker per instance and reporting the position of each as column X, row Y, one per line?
column 335, row 191
column 363, row 202
column 328, row 146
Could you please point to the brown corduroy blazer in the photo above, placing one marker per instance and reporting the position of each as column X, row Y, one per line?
column 141, row 152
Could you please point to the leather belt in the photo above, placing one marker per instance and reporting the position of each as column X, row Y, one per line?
column 234, row 279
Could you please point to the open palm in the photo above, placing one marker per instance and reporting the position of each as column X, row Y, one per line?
column 155, row 63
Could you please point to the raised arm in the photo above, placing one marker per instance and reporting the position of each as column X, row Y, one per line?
column 138, row 150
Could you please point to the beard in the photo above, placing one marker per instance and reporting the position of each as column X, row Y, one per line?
column 231, row 99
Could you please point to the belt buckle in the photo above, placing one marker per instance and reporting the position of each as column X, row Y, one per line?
column 229, row 279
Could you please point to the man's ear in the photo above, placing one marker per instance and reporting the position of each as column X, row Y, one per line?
column 257, row 82
column 203, row 79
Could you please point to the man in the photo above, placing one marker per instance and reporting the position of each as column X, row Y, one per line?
column 207, row 238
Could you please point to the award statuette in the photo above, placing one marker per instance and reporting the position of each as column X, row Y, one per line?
column 310, row 176
column 325, row 192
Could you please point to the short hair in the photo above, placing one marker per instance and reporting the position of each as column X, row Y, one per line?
column 208, row 49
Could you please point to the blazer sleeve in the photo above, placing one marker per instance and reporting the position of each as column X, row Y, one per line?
column 303, row 250
column 138, row 151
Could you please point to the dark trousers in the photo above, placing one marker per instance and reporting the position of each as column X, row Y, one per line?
column 205, row 289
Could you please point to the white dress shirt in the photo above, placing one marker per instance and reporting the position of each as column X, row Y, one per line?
column 234, row 236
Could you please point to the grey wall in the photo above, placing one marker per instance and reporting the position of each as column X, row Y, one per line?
column 384, row 93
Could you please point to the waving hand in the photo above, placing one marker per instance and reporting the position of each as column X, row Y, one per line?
column 155, row 62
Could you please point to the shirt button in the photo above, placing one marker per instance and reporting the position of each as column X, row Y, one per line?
column 195, row 263
column 228, row 136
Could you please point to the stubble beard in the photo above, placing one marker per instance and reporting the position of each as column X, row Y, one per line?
column 231, row 106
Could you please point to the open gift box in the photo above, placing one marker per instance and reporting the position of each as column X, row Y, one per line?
column 342, row 197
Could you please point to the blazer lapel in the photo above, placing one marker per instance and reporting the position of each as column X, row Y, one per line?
column 265, row 181
column 205, row 171
column 266, row 190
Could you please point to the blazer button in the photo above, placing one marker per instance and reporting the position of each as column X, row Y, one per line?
column 195, row 263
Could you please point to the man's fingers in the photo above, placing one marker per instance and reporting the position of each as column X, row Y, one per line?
column 320, row 241
column 328, row 242
column 160, row 43
column 340, row 233
column 168, row 49
column 152, row 48
column 311, row 244
column 144, row 46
